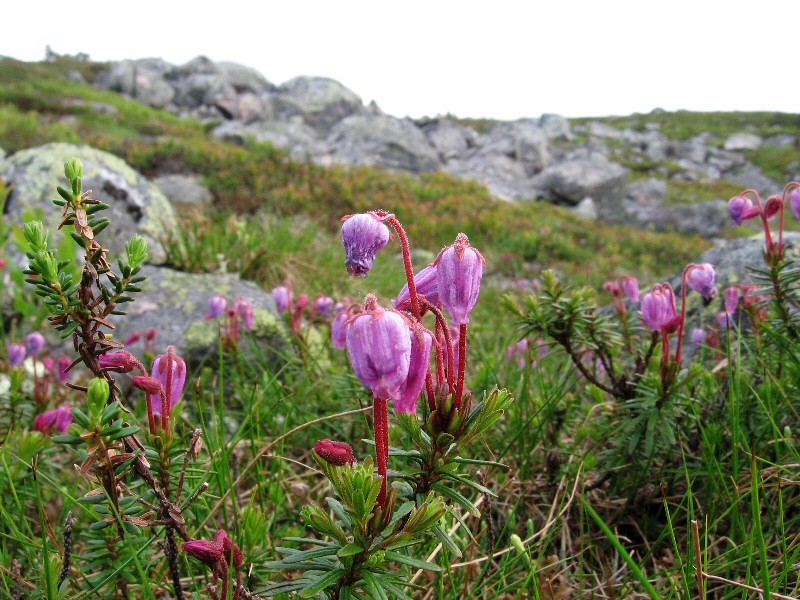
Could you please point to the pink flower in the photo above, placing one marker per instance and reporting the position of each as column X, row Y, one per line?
column 121, row 362
column 35, row 342
column 419, row 365
column 702, row 279
column 244, row 310
column 426, row 283
column 282, row 295
column 379, row 345
column 170, row 370
column 741, row 208
column 658, row 307
column 216, row 553
column 133, row 338
column 16, row 354
column 630, row 286
column 699, row 336
column 58, row 420
column 335, row 453
column 216, row 307
column 732, row 295
column 62, row 363
column 323, row 305
column 459, row 270
column 794, row 201
column 363, row 235
column 339, row 328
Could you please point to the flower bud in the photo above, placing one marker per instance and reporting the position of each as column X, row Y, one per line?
column 363, row 235
column 323, row 305
column 170, row 370
column 459, row 270
column 283, row 298
column 379, row 345
column 335, row 453
column 773, row 206
column 244, row 310
column 150, row 385
column 73, row 167
column 630, row 286
column 97, row 397
column 339, row 328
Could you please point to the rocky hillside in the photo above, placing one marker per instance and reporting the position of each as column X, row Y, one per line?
column 625, row 170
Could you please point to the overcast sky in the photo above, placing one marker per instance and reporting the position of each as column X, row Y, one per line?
column 504, row 59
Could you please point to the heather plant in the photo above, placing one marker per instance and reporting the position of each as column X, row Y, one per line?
column 373, row 526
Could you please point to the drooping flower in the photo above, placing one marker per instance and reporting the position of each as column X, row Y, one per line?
column 773, row 206
column 732, row 296
column 363, row 235
column 419, row 365
column 35, row 342
column 58, row 420
column 379, row 345
column 702, row 279
column 459, row 270
column 216, row 306
column 741, row 208
column 170, row 370
column 282, row 295
column 216, row 553
column 426, row 283
column 630, row 287
column 16, row 354
column 121, row 361
column 658, row 307
column 335, row 453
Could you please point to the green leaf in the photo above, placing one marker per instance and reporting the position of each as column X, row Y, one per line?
column 373, row 585
column 349, row 550
column 446, row 540
column 412, row 562
column 321, row 583
column 457, row 497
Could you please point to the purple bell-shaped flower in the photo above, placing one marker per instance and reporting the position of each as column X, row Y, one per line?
column 379, row 345
column 363, row 235
column 421, row 343
column 426, row 283
column 702, row 279
column 459, row 270
column 658, row 307
column 170, row 370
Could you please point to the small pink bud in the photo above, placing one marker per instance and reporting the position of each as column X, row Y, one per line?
column 121, row 361
column 150, row 385
column 133, row 338
column 335, row 453
column 773, row 206
column 216, row 552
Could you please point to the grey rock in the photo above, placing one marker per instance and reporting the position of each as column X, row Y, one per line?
column 320, row 101
column 781, row 140
column 382, row 141
column 137, row 206
column 693, row 151
column 175, row 304
column 243, row 79
column 450, row 139
column 522, row 140
column 555, row 127
column 142, row 80
column 751, row 177
column 647, row 192
column 573, row 180
column 724, row 161
column 502, row 175
column 743, row 141
column 184, row 190
column 657, row 146
column 735, row 260
column 708, row 219
column 294, row 136
column 196, row 89
column 587, row 209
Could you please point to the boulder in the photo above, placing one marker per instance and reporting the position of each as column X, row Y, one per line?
column 592, row 176
column 555, row 127
column 751, row 177
column 450, row 139
column 142, row 80
column 708, row 219
column 780, row 140
column 300, row 140
column 136, row 205
column 243, row 79
column 175, row 304
column 320, row 101
column 502, row 175
column 185, row 191
column 743, row 141
column 523, row 141
column 382, row 141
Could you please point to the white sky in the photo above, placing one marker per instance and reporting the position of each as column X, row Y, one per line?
column 504, row 59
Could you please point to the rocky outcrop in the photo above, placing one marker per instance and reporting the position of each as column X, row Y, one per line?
column 136, row 205
column 584, row 165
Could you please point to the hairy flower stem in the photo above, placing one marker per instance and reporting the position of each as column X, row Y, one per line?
column 441, row 325
column 381, row 418
column 170, row 547
column 412, row 287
